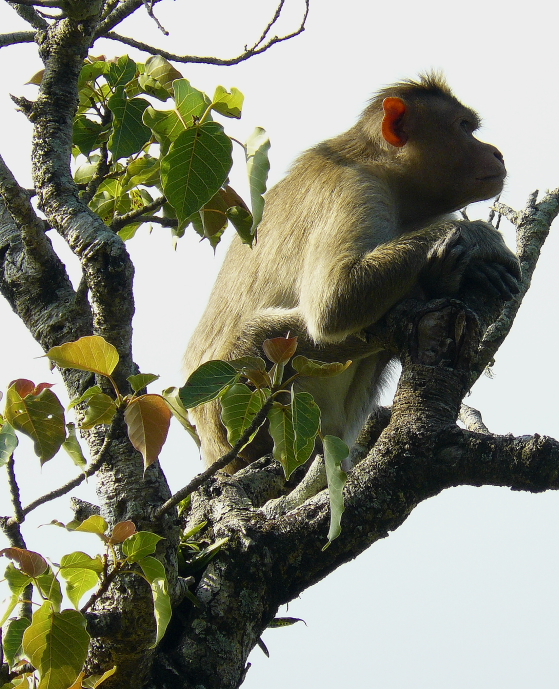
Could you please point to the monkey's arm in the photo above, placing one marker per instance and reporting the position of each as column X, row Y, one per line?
column 344, row 297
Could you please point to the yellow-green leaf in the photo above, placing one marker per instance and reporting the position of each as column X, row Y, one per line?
column 178, row 410
column 8, row 443
column 335, row 451
column 100, row 410
column 141, row 380
column 81, row 573
column 56, row 645
column 94, row 524
column 239, row 406
column 228, row 103
column 73, row 447
column 148, row 418
column 318, row 369
column 140, row 545
column 90, row 353
column 13, row 649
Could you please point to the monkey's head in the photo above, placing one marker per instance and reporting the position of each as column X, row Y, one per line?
column 433, row 158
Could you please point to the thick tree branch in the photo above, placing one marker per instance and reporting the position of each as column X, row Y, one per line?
column 257, row 48
column 125, row 9
column 16, row 37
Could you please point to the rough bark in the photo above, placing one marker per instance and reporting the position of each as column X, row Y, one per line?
column 406, row 456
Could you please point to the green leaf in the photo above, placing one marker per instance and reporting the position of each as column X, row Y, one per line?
column 56, row 645
column 93, row 681
column 88, row 134
column 81, row 573
column 12, row 641
column 258, row 166
column 90, row 353
column 100, row 410
column 155, row 573
column 202, row 559
column 228, row 103
column 121, row 71
column 147, row 419
column 167, row 125
column 8, row 443
column 242, row 220
column 318, row 369
column 144, row 170
column 195, row 167
column 17, row 583
column 129, row 134
column 207, row 382
column 179, row 412
column 306, row 423
column 41, row 417
column 214, row 219
column 50, row 588
column 141, row 380
column 161, row 69
column 283, row 435
column 239, row 406
column 335, row 451
column 94, row 524
column 147, row 84
column 284, row 622
column 90, row 392
column 140, row 545
column 73, row 447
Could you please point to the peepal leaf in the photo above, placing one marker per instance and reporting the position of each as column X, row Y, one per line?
column 100, row 410
column 207, row 382
column 179, row 412
column 163, row 71
column 228, row 103
column 318, row 369
column 154, row 572
column 140, row 545
column 73, row 447
column 56, row 644
column 335, row 451
column 90, row 353
column 258, row 166
column 81, row 573
column 41, row 417
column 8, row 443
column 141, row 380
column 12, row 641
column 195, row 167
column 148, row 418
column 129, row 132
column 29, row 562
column 239, row 406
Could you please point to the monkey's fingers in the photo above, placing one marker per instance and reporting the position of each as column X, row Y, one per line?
column 495, row 279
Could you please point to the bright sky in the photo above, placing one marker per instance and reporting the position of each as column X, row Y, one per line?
column 463, row 595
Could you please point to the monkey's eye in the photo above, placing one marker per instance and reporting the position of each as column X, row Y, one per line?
column 467, row 126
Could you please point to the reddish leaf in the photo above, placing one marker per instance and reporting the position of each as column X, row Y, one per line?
column 122, row 531
column 29, row 562
column 148, row 418
column 280, row 349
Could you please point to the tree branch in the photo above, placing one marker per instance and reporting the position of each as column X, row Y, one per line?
column 256, row 49
column 121, row 220
column 532, row 228
column 125, row 9
column 30, row 16
column 16, row 37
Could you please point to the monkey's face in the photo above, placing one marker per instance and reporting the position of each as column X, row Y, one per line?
column 442, row 165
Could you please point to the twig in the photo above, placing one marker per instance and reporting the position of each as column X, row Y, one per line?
column 121, row 220
column 532, row 228
column 101, row 171
column 148, row 4
column 16, row 37
column 270, row 24
column 198, row 480
column 194, row 59
column 14, row 491
column 67, row 487
column 30, row 16
column 121, row 11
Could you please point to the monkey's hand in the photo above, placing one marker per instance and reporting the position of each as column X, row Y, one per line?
column 495, row 278
column 447, row 261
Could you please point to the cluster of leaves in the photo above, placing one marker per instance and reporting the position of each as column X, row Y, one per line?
column 54, row 641
column 133, row 149
column 244, row 387
column 36, row 411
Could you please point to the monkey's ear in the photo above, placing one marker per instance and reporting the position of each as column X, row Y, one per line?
column 392, row 131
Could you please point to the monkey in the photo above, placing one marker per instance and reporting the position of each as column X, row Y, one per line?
column 361, row 221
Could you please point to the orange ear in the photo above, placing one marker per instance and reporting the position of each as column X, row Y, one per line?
column 394, row 111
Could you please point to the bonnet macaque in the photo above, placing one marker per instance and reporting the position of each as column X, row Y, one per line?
column 360, row 222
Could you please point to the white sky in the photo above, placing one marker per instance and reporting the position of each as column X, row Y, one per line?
column 463, row 595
